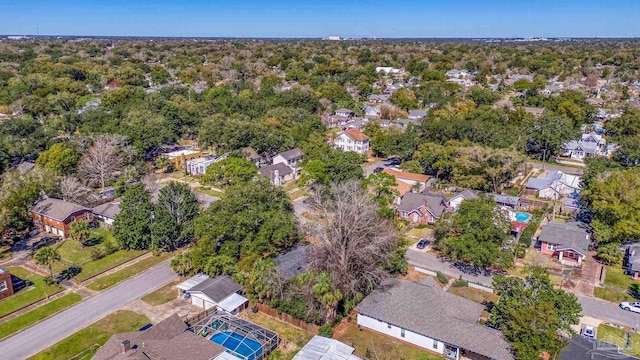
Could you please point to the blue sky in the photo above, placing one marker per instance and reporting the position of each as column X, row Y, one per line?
column 302, row 18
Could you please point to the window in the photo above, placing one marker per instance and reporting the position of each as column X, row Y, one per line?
column 3, row 286
column 415, row 217
column 389, row 326
column 402, row 333
column 435, row 344
column 550, row 247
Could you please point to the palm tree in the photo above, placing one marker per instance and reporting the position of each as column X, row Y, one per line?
column 47, row 256
column 80, row 232
column 328, row 295
column 265, row 280
column 181, row 264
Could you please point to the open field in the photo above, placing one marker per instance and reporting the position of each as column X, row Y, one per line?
column 87, row 341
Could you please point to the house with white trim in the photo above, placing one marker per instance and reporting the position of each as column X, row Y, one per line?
column 554, row 185
column 421, row 208
column 206, row 292
column 589, row 145
column 568, row 242
column 424, row 315
column 352, row 139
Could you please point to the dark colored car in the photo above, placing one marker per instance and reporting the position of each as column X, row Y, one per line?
column 377, row 170
column 393, row 162
column 422, row 243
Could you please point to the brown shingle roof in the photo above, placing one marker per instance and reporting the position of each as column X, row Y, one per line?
column 356, row 134
column 57, row 209
column 406, row 175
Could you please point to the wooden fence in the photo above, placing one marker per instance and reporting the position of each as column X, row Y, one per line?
column 286, row 318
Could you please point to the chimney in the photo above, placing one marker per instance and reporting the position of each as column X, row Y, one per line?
column 125, row 346
column 424, row 202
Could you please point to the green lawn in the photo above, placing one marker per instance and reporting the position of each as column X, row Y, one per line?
column 34, row 293
column 617, row 336
column 131, row 270
column 297, row 194
column 615, row 276
column 209, row 191
column 612, row 295
column 86, row 342
column 162, row 295
column 38, row 314
column 74, row 254
column 474, row 295
column 292, row 338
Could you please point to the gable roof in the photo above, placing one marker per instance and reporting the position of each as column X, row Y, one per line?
column 168, row 339
column 412, row 201
column 354, row 134
column 426, row 309
column 269, row 171
column 217, row 288
column 56, row 209
column 505, row 199
column 581, row 348
column 467, row 194
column 109, row 209
column 252, row 154
column 418, row 113
column 571, row 235
column 291, row 154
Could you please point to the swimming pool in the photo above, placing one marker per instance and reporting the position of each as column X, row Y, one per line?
column 249, row 349
column 522, row 217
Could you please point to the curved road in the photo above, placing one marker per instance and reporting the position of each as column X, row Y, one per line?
column 58, row 327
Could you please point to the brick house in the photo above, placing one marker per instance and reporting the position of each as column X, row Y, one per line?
column 55, row 216
column 6, row 285
column 421, row 208
column 569, row 242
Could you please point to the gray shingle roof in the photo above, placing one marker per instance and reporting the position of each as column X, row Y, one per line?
column 426, row 309
column 218, row 288
column 56, row 208
column 269, row 171
column 573, row 235
column 412, row 201
column 467, row 194
column 109, row 209
column 505, row 199
column 581, row 348
column 294, row 262
column 292, row 154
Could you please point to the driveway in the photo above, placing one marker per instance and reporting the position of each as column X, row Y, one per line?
column 58, row 327
column 592, row 307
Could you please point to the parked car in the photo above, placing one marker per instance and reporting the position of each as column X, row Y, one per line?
column 45, row 241
column 588, row 331
column 377, row 170
column 393, row 162
column 631, row 306
column 422, row 243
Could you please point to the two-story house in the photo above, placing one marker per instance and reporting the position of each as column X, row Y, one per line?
column 589, row 145
column 292, row 158
column 55, row 216
column 6, row 284
column 352, row 140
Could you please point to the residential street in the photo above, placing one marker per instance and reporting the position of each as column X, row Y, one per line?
column 56, row 328
column 593, row 307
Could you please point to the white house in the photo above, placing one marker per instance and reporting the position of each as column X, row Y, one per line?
column 457, row 199
column 554, row 185
column 589, row 145
column 291, row 158
column 106, row 213
column 422, row 314
column 352, row 140
column 221, row 292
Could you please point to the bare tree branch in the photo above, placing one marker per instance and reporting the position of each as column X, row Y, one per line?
column 103, row 159
column 72, row 189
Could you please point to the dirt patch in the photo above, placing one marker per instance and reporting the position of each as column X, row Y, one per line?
column 413, row 275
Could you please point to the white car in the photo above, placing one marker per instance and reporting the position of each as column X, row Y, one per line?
column 631, row 306
column 588, row 331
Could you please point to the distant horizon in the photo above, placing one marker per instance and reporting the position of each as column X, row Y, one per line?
column 401, row 19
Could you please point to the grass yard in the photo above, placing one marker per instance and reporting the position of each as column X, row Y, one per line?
column 209, row 191
column 475, row 295
column 421, row 233
column 292, row 338
column 5, row 252
column 375, row 346
column 131, row 270
column 163, row 295
column 32, row 294
column 297, row 194
column 615, row 276
column 611, row 295
column 38, row 314
column 617, row 336
column 86, row 342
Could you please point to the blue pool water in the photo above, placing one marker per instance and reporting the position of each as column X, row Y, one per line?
column 522, row 217
column 237, row 343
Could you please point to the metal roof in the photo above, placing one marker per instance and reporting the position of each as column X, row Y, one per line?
column 232, row 302
column 322, row 348
column 192, row 281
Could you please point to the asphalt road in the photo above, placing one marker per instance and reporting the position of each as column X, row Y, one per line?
column 607, row 311
column 58, row 327
column 592, row 307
